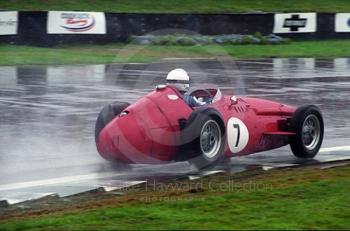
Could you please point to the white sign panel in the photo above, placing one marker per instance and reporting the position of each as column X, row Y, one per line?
column 342, row 22
column 237, row 135
column 8, row 22
column 295, row 23
column 76, row 22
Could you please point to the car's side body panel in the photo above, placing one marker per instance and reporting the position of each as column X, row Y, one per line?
column 150, row 131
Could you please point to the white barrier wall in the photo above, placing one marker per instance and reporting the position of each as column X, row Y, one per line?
column 51, row 28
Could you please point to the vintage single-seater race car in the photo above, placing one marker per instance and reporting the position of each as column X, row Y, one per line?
column 161, row 127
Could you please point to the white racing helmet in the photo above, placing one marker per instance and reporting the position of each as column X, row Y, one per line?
column 179, row 79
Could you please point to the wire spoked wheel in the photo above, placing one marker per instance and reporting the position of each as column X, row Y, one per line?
column 307, row 123
column 210, row 138
column 203, row 138
column 311, row 132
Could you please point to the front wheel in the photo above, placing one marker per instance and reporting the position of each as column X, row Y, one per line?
column 307, row 123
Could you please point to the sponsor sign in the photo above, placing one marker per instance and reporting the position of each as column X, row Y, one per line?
column 295, row 23
column 342, row 22
column 8, row 22
column 75, row 22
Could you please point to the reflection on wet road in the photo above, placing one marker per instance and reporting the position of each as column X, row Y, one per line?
column 48, row 115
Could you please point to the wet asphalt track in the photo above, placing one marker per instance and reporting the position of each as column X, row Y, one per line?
column 48, row 115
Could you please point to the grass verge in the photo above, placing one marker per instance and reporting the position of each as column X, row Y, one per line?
column 121, row 53
column 278, row 199
column 181, row 6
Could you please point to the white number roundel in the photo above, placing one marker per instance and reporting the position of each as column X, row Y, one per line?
column 237, row 135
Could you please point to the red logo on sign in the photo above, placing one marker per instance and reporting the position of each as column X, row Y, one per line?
column 78, row 22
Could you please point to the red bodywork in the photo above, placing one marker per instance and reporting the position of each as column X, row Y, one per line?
column 149, row 130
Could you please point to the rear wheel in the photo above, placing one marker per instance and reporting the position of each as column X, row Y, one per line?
column 307, row 123
column 203, row 138
column 107, row 114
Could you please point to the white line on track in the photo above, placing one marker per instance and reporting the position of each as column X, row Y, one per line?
column 95, row 176
column 335, row 149
column 59, row 180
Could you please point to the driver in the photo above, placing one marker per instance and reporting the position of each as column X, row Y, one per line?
column 179, row 79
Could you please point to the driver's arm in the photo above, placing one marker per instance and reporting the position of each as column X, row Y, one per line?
column 192, row 101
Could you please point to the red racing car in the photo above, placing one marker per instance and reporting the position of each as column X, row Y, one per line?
column 161, row 127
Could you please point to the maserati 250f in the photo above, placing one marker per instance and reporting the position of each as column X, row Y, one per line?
column 161, row 127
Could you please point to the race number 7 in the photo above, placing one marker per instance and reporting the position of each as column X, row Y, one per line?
column 236, row 126
column 237, row 135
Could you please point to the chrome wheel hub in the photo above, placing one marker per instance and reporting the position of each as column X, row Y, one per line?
column 210, row 138
column 311, row 132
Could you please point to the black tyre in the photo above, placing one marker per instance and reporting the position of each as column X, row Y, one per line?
column 107, row 114
column 307, row 123
column 203, row 138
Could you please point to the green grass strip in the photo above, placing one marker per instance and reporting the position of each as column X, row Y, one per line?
column 121, row 53
column 299, row 199
column 180, row 6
